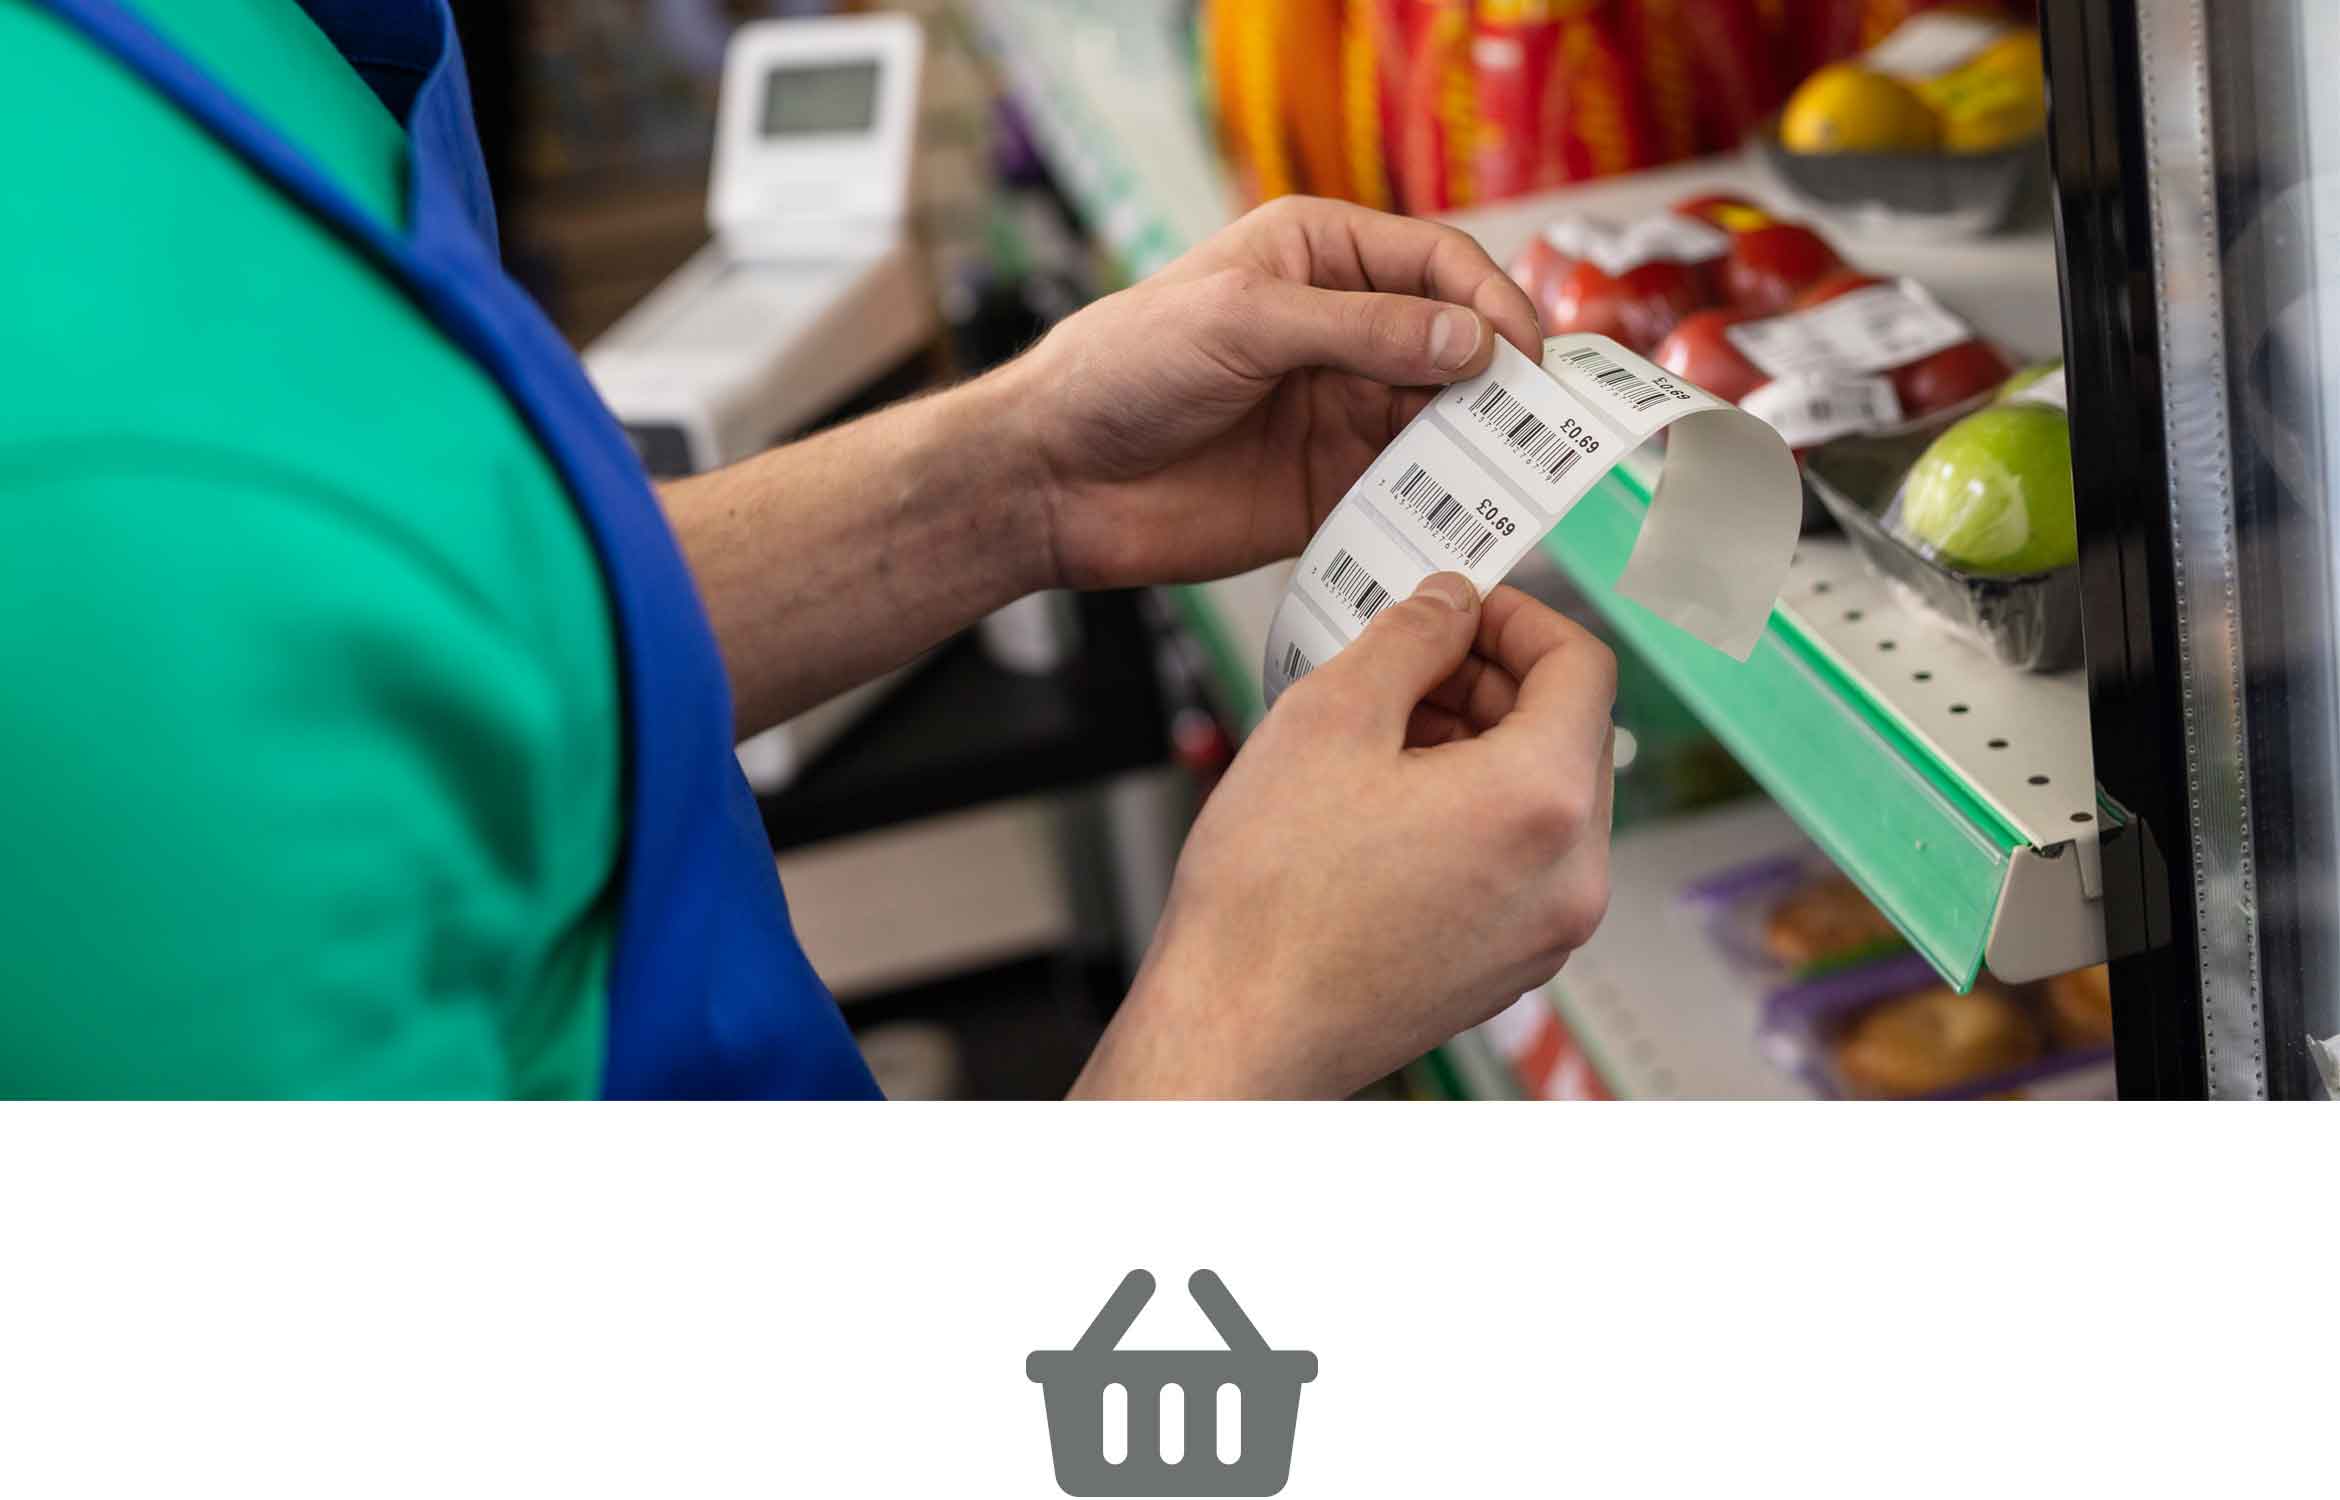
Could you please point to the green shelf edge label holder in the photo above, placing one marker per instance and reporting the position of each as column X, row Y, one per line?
column 1903, row 826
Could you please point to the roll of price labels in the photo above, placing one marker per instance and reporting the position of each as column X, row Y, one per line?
column 1494, row 463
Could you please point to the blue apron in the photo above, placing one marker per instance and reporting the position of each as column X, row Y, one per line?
column 710, row 995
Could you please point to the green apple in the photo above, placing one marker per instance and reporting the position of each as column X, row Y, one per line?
column 1994, row 492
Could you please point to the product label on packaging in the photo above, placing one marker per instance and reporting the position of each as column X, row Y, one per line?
column 1495, row 462
column 1811, row 408
column 1876, row 328
column 1935, row 43
column 2048, row 390
column 1669, row 237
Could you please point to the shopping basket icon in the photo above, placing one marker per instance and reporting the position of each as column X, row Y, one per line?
column 1074, row 1382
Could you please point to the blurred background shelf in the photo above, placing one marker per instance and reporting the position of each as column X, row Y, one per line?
column 962, row 730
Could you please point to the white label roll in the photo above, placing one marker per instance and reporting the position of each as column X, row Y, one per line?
column 1495, row 462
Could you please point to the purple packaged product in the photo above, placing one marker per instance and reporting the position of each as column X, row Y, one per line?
column 1738, row 904
column 1799, row 1022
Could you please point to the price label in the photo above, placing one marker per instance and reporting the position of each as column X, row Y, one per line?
column 1876, row 328
column 1809, row 409
column 1666, row 237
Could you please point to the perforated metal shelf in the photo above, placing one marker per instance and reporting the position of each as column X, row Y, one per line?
column 2017, row 740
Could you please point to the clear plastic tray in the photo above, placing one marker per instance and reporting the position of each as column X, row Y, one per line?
column 2030, row 621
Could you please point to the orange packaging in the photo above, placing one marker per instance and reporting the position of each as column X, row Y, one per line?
column 1276, row 78
column 1308, row 56
column 1368, row 43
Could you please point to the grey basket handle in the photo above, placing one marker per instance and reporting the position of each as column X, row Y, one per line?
column 1218, row 1304
column 1120, row 1310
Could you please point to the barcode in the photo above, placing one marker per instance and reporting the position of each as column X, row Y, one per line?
column 1635, row 391
column 1465, row 533
column 1296, row 663
column 1547, row 451
column 1353, row 586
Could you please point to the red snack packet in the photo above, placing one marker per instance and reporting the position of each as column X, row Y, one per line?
column 1735, row 67
column 1435, row 107
column 1596, row 121
column 1655, row 34
column 1808, row 33
column 1514, row 44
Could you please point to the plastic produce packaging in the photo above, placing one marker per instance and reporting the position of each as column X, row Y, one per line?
column 1763, row 313
column 1968, row 516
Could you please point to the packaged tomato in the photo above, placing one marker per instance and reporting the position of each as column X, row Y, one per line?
column 1770, row 265
column 1632, row 283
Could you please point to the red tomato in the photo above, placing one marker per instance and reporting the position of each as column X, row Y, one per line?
column 1834, row 285
column 1698, row 352
column 1767, row 267
column 1723, row 211
column 1586, row 299
column 1537, row 266
column 1940, row 381
column 1658, row 295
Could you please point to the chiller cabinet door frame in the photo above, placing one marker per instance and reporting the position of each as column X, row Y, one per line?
column 2196, row 162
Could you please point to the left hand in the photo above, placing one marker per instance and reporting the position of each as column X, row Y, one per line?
column 1206, row 420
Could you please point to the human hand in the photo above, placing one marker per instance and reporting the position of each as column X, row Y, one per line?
column 1207, row 419
column 1417, row 834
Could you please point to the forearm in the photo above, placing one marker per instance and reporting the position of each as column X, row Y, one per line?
column 829, row 561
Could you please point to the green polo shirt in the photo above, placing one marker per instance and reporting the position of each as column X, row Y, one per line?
column 310, row 740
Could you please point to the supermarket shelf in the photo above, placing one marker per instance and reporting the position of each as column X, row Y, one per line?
column 1662, row 1013
column 1102, row 86
column 1976, row 863
column 1963, row 801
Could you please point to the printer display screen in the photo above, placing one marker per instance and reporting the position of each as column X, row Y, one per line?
column 824, row 100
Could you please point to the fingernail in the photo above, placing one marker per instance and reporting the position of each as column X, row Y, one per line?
column 1450, row 589
column 1454, row 338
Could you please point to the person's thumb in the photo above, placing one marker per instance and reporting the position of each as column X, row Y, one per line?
column 1274, row 326
column 1409, row 649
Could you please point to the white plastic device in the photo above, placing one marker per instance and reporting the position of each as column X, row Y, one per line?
column 809, row 290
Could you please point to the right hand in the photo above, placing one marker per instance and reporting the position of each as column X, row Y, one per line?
column 1415, row 836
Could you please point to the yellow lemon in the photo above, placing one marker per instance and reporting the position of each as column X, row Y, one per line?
column 1997, row 99
column 1846, row 107
column 1983, row 109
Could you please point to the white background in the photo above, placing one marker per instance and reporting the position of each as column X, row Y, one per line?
column 838, row 1300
